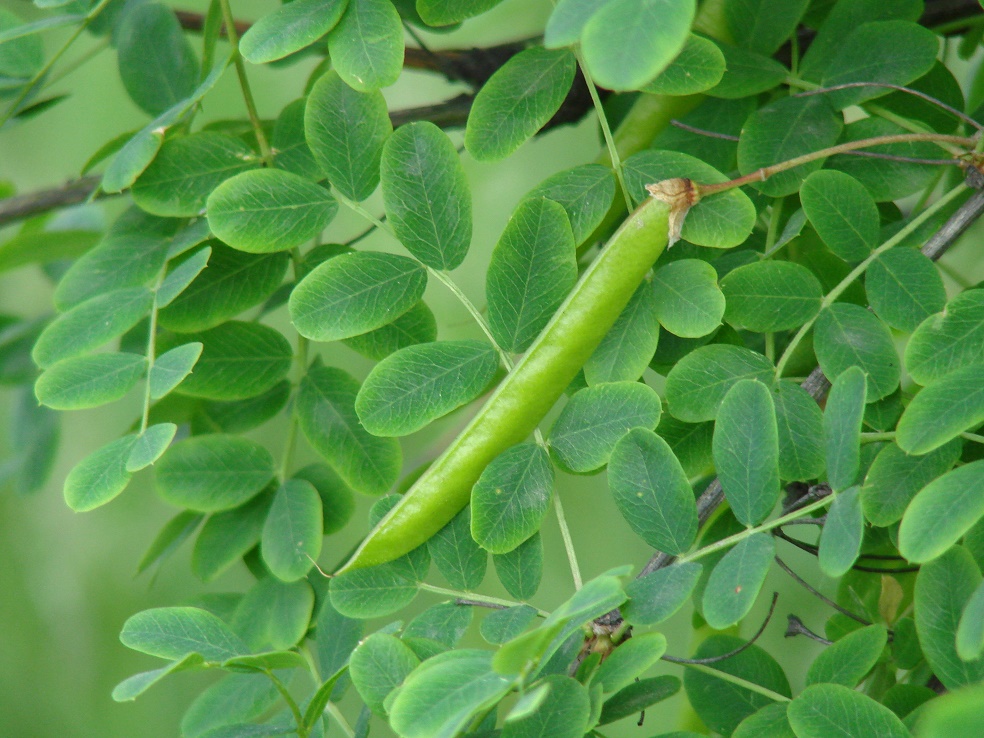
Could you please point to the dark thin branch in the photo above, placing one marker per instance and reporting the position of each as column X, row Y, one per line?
column 730, row 654
column 811, row 549
column 796, row 627
column 465, row 602
column 21, row 207
column 818, row 594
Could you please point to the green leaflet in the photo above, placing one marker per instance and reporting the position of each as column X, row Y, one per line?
column 595, row 418
column 747, row 73
column 719, row 222
column 500, row 626
column 894, row 52
column 697, row 384
column 840, row 541
column 149, row 445
column 832, row 709
column 212, row 473
column 842, row 428
column 409, row 389
column 426, row 194
column 517, row 101
column 291, row 150
column 943, row 410
column 521, row 570
column 239, row 360
column 354, row 293
column 417, row 325
column 848, row 335
column 586, row 192
column 894, row 478
column 169, row 539
column 171, row 368
column 91, row 324
column 457, row 556
column 186, row 170
column 628, row 42
column 942, row 512
column 948, row 340
column 100, row 476
column 970, row 631
column 269, row 210
column 378, row 665
column 799, row 423
column 236, row 699
column 532, row 269
column 630, row 660
column 842, row 212
column 628, row 347
column 290, row 28
column 511, row 498
column 237, row 416
column 273, row 616
column 89, row 381
column 291, row 539
column 156, row 63
column 366, row 47
column 658, row 595
column 175, row 632
column 698, row 67
column 652, row 492
column 228, row 535
column 849, row 659
column 943, row 588
column 326, row 414
column 444, row 13
column 637, row 697
column 345, row 130
column 233, row 282
column 337, row 500
column 746, row 451
column 785, row 129
column 688, row 301
column 763, row 25
column 904, row 288
column 134, row 686
column 375, row 591
column 563, row 713
column 22, row 57
column 736, row 580
column 722, row 705
column 445, row 624
column 183, row 274
column 771, row 720
column 769, row 296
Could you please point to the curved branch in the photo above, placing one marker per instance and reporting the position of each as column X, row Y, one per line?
column 735, row 652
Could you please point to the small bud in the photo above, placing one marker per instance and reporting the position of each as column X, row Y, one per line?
column 680, row 194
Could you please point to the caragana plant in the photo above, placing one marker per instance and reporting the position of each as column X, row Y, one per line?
column 740, row 305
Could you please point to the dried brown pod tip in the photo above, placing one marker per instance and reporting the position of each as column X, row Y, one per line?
column 680, row 194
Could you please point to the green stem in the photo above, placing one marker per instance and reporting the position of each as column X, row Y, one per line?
column 747, row 533
column 873, row 437
column 606, row 132
column 836, row 292
column 973, row 437
column 295, row 710
column 151, row 354
column 565, row 533
column 332, row 709
column 230, row 23
column 301, row 360
column 738, row 681
column 457, row 594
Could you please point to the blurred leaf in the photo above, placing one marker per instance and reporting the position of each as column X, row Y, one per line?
column 825, row 709
column 339, row 635
column 970, row 631
column 688, row 301
column 628, row 347
column 233, row 282
column 894, row 478
column 355, row 293
column 842, row 428
column 500, row 626
column 746, row 73
column 337, row 500
column 100, row 476
column 842, row 212
column 237, row 416
column 746, row 451
column 563, row 713
column 366, row 47
column 628, row 42
column 227, row 536
column 149, row 445
column 782, row 130
column 799, row 423
column 942, row 512
column 771, row 720
column 290, row 28
column 237, row 699
column 736, row 580
column 34, row 435
column 291, row 540
column 415, row 326
column 269, row 210
column 521, row 570
column 595, row 418
column 290, row 147
column 325, row 408
column 638, row 696
column 849, row 659
column 531, row 271
column 511, row 498
column 175, row 632
column 132, row 687
column 186, row 170
column 652, row 492
column 586, row 193
column 156, row 63
column 456, row 554
column 346, row 130
column 17, row 338
column 848, row 336
column 212, row 473
column 171, row 367
column 178, row 279
column 944, row 586
column 379, row 664
column 698, row 67
column 842, row 535
column 770, row 296
column 44, row 247
column 957, row 714
column 239, row 360
column 21, row 50
column 656, row 596
column 426, row 194
column 517, row 101
column 89, row 381
column 411, row 388
column 904, row 288
column 445, row 623
column 567, row 21
column 274, row 615
column 446, row 12
column 763, row 25
column 942, row 411
column 698, row 383
column 947, row 340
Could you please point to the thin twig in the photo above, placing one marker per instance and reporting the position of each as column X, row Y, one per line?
column 730, row 654
column 796, row 627
column 819, row 595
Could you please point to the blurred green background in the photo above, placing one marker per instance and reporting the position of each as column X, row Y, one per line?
column 67, row 580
